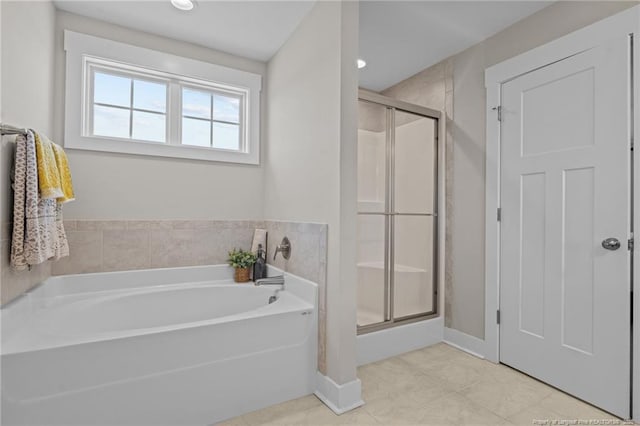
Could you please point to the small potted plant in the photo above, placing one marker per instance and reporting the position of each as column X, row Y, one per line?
column 242, row 261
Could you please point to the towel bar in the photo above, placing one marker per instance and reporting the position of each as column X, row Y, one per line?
column 6, row 129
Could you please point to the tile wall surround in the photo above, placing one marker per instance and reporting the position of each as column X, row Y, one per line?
column 118, row 245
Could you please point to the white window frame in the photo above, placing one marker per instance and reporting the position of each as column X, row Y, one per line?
column 93, row 65
column 84, row 52
column 220, row 91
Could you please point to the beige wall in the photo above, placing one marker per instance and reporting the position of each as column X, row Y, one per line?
column 341, row 296
column 27, row 75
column 464, row 283
column 311, row 132
column 118, row 186
column 27, row 59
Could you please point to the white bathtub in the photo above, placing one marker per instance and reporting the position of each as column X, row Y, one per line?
column 173, row 346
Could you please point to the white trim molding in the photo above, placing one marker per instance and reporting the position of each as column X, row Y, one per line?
column 492, row 227
column 340, row 398
column 622, row 24
column 379, row 345
column 465, row 342
column 635, row 284
column 80, row 48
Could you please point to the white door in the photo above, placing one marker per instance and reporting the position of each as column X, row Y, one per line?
column 565, row 187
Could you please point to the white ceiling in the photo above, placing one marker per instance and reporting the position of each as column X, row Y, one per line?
column 252, row 29
column 400, row 38
column 397, row 38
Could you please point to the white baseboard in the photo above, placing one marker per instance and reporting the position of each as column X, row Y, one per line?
column 465, row 342
column 340, row 398
column 379, row 345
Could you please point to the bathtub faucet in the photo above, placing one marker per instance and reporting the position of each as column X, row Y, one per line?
column 278, row 280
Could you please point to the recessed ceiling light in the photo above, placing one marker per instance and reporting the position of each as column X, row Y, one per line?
column 183, row 4
column 361, row 63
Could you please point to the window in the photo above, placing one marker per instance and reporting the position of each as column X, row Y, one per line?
column 141, row 101
column 126, row 102
column 127, row 107
column 211, row 119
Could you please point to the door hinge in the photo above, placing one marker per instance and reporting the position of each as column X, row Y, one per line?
column 498, row 109
column 630, row 243
column 499, row 214
column 498, row 316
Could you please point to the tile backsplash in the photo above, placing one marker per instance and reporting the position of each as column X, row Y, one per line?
column 104, row 246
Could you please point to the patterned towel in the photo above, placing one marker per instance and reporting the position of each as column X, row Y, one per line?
column 38, row 230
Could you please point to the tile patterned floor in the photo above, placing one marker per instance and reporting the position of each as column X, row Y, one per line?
column 438, row 385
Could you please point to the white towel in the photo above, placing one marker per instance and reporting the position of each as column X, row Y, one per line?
column 38, row 230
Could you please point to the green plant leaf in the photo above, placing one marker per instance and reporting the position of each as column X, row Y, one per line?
column 239, row 258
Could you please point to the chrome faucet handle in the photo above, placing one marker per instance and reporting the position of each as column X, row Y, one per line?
column 284, row 247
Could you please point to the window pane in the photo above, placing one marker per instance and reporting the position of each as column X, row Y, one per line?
column 150, row 96
column 110, row 121
column 148, row 126
column 226, row 108
column 196, row 104
column 196, row 132
column 111, row 89
column 226, row 136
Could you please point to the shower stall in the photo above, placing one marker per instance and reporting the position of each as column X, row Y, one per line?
column 397, row 212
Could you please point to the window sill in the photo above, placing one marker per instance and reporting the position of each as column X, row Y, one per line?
column 157, row 149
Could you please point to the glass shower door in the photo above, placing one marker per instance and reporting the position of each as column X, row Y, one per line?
column 373, row 223
column 413, row 203
column 397, row 213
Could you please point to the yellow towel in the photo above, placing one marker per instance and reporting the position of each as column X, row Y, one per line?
column 48, row 174
column 65, row 174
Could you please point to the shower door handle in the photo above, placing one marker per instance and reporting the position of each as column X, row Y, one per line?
column 611, row 244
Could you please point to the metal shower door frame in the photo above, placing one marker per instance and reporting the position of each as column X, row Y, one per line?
column 393, row 105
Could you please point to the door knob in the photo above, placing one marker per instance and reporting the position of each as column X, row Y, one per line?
column 611, row 244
